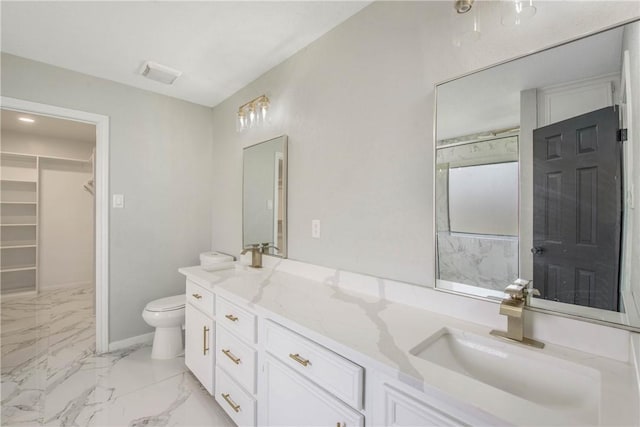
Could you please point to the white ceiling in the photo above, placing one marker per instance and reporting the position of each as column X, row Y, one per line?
column 490, row 99
column 48, row 126
column 219, row 46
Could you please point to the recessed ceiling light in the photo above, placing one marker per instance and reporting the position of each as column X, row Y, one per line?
column 26, row 119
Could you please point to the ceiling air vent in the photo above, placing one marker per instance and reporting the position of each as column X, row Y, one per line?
column 160, row 73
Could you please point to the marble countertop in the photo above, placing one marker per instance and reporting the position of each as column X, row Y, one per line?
column 380, row 334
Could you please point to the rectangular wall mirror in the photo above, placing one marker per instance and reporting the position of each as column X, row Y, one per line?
column 264, row 196
column 535, row 178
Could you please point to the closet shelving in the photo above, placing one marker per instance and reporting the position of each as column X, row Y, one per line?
column 19, row 219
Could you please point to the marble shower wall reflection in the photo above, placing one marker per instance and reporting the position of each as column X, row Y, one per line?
column 484, row 260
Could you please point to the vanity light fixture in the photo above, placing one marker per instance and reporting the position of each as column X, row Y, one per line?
column 516, row 12
column 26, row 119
column 253, row 113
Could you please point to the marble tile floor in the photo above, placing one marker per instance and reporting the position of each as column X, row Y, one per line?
column 51, row 375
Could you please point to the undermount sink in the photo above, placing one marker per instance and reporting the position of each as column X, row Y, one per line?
column 527, row 373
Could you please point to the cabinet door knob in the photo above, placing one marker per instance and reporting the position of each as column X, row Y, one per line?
column 300, row 360
column 196, row 296
column 231, row 403
column 231, row 317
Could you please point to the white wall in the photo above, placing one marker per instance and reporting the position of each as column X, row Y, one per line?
column 66, row 212
column 357, row 105
column 66, row 225
column 20, row 142
column 160, row 159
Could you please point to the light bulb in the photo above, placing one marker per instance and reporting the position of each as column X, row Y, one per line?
column 264, row 108
column 468, row 28
column 241, row 121
column 252, row 116
column 516, row 12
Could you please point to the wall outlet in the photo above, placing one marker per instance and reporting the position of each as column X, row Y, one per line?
column 118, row 201
column 315, row 228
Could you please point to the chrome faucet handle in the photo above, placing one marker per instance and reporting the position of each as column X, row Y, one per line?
column 252, row 247
column 518, row 289
column 515, row 291
column 266, row 246
column 532, row 292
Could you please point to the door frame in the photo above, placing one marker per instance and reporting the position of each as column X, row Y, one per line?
column 101, row 123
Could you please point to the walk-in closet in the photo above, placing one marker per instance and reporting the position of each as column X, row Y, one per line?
column 47, row 207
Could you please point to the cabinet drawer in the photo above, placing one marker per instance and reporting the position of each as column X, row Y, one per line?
column 339, row 376
column 402, row 410
column 236, row 319
column 237, row 358
column 200, row 297
column 292, row 400
column 240, row 406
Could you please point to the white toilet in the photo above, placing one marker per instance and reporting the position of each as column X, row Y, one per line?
column 167, row 316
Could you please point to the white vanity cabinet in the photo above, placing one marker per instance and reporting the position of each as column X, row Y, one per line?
column 199, row 352
column 265, row 370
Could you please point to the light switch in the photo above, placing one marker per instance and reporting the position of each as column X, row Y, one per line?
column 118, row 201
column 270, row 205
column 315, row 228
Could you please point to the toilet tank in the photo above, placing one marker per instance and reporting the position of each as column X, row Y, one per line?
column 214, row 258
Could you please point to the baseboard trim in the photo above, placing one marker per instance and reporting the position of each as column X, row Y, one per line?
column 65, row 285
column 128, row 342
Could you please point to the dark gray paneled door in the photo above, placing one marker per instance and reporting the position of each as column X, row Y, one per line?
column 577, row 210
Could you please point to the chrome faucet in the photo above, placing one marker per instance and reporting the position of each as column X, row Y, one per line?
column 257, row 249
column 256, row 254
column 519, row 295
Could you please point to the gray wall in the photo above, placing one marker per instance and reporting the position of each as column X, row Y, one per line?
column 357, row 105
column 160, row 159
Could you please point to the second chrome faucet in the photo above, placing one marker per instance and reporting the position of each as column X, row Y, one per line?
column 257, row 249
column 518, row 295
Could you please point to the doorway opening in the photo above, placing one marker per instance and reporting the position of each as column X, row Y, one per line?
column 55, row 206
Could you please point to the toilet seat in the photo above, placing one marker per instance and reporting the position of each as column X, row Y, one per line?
column 175, row 302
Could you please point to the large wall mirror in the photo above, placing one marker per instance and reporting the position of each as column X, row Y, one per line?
column 536, row 179
column 264, row 196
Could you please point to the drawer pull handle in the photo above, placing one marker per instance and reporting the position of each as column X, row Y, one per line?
column 196, row 296
column 300, row 360
column 231, row 317
column 230, row 355
column 205, row 348
column 231, row 402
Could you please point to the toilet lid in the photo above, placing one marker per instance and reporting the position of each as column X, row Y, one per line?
column 167, row 304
